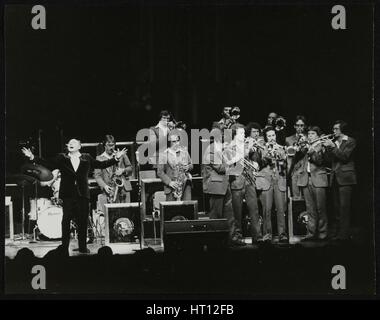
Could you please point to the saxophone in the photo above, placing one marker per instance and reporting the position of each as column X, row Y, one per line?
column 116, row 184
column 181, row 177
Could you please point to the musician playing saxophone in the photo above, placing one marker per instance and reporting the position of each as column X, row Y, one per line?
column 109, row 177
column 313, row 182
column 174, row 170
column 272, row 185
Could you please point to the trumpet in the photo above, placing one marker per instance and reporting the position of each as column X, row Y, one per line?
column 253, row 143
column 249, row 171
column 174, row 124
column 320, row 140
column 273, row 149
column 291, row 150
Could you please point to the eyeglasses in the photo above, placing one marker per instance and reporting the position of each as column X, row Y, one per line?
column 299, row 125
column 110, row 144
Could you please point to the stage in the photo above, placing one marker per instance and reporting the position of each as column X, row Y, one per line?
column 41, row 248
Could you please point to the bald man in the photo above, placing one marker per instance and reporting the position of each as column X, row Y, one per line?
column 74, row 191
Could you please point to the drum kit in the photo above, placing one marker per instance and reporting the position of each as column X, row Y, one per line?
column 46, row 212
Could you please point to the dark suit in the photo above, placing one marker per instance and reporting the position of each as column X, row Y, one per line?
column 216, row 184
column 158, row 142
column 293, row 166
column 313, row 185
column 343, row 178
column 241, row 189
column 74, row 192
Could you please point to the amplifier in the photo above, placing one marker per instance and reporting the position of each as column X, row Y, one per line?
column 195, row 234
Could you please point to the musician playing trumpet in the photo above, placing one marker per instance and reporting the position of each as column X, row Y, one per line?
column 174, row 170
column 242, row 183
column 341, row 153
column 294, row 162
column 313, row 182
column 254, row 144
column 271, row 183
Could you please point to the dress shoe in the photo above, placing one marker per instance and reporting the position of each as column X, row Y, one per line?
column 238, row 243
column 283, row 239
column 257, row 241
column 309, row 237
column 81, row 250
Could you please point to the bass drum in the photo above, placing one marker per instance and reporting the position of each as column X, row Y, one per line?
column 42, row 205
column 49, row 222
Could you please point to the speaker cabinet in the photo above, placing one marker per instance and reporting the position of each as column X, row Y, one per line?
column 195, row 234
column 122, row 223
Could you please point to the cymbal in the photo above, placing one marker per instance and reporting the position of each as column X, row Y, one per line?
column 37, row 171
column 21, row 179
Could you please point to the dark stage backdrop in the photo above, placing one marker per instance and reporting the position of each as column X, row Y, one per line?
column 98, row 70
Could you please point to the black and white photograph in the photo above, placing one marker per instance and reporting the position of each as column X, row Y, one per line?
column 189, row 149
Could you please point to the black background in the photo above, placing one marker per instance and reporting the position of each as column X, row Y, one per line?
column 95, row 69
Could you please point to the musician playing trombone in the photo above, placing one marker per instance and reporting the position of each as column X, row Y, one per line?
column 271, row 183
column 313, row 182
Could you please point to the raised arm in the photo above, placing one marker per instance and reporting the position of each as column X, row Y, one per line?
column 97, row 164
column 51, row 163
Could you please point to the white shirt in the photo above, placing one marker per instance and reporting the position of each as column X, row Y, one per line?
column 105, row 154
column 164, row 129
column 338, row 143
column 75, row 161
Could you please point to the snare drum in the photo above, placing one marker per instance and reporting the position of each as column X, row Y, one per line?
column 49, row 222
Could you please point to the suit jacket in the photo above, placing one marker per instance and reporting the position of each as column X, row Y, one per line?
column 291, row 140
column 158, row 142
column 104, row 176
column 167, row 172
column 215, row 180
column 343, row 166
column 74, row 183
column 269, row 173
column 318, row 173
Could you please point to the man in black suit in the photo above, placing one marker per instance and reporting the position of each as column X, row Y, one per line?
column 343, row 178
column 74, row 192
column 295, row 161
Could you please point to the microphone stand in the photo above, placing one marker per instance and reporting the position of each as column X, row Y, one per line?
column 36, row 226
column 289, row 200
column 139, row 197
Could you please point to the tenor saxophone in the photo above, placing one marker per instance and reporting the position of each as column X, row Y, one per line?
column 117, row 184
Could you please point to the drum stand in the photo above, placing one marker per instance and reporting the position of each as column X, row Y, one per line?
column 36, row 226
column 23, row 214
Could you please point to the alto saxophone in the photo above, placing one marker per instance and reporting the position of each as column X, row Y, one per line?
column 180, row 181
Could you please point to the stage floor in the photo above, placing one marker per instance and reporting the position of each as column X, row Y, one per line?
column 41, row 248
